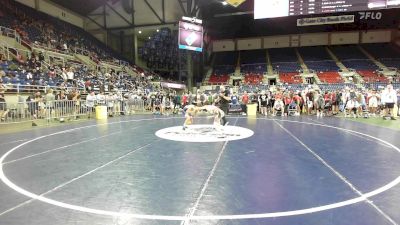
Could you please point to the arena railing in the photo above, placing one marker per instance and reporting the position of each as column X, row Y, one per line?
column 13, row 51
column 40, row 47
column 19, row 88
column 4, row 50
column 82, row 52
column 65, row 110
column 11, row 33
column 54, row 54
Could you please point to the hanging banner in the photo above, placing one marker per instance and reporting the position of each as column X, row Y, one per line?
column 325, row 20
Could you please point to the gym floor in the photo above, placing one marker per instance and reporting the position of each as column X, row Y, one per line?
column 296, row 170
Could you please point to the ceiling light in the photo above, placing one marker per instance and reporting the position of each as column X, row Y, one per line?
column 158, row 30
column 140, row 31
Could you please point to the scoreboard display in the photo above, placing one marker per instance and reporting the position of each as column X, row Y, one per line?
column 190, row 36
column 281, row 8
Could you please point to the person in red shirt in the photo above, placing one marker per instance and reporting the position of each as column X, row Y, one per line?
column 298, row 100
column 334, row 102
column 287, row 100
column 244, row 102
column 245, row 98
column 184, row 100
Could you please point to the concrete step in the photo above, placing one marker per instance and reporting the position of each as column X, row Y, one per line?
column 301, row 61
column 372, row 58
column 338, row 63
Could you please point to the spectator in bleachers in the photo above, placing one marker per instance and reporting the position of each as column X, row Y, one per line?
column 3, row 87
column 70, row 75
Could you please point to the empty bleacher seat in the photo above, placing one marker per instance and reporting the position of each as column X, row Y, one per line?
column 330, row 77
column 290, row 78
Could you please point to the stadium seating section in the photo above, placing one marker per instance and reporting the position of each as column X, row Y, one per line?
column 386, row 54
column 160, row 51
column 284, row 60
column 290, row 78
column 330, row 77
column 253, row 79
column 371, row 76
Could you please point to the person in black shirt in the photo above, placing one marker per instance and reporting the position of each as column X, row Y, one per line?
column 224, row 100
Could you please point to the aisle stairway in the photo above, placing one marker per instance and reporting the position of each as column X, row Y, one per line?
column 270, row 70
column 372, row 58
column 301, row 61
column 337, row 61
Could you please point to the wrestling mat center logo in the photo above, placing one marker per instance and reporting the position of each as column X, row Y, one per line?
column 204, row 133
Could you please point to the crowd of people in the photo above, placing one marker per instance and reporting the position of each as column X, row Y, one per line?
column 281, row 102
column 50, row 33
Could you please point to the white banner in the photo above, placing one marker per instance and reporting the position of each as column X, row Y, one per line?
column 325, row 20
column 172, row 85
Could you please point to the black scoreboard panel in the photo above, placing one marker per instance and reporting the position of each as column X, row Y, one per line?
column 281, row 8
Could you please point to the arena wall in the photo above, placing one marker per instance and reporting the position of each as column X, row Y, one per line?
column 295, row 40
column 300, row 40
column 29, row 3
column 376, row 36
column 345, row 38
column 249, row 44
column 223, row 45
column 314, row 39
column 55, row 10
column 277, row 42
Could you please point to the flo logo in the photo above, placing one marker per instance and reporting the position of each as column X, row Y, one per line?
column 204, row 133
column 191, row 38
column 370, row 15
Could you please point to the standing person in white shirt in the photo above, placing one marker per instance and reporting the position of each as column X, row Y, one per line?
column 110, row 98
column 351, row 108
column 373, row 102
column 70, row 75
column 64, row 74
column 389, row 97
column 90, row 102
column 101, row 98
column 117, row 102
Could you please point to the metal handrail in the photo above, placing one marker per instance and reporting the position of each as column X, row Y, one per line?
column 38, row 109
column 39, row 47
column 8, row 32
column 19, row 88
